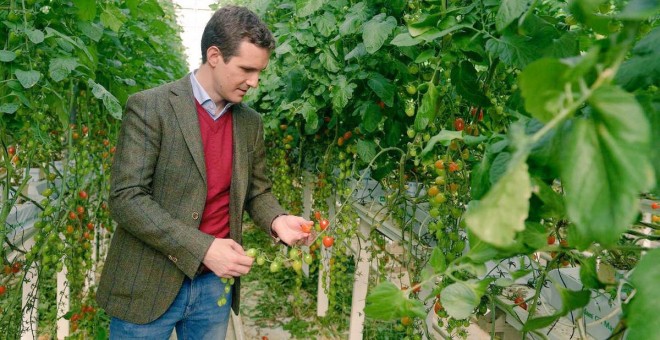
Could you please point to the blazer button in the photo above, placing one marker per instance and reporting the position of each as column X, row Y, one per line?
column 195, row 215
column 172, row 258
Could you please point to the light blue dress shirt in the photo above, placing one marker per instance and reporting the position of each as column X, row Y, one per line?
column 204, row 99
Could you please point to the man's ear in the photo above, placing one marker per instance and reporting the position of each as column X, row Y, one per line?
column 213, row 55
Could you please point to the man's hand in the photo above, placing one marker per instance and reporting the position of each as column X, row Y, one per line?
column 227, row 259
column 290, row 230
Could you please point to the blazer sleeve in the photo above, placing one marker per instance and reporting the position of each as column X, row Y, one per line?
column 131, row 191
column 262, row 205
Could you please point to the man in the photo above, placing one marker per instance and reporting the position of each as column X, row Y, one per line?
column 190, row 159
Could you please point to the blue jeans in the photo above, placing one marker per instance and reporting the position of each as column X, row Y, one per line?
column 194, row 314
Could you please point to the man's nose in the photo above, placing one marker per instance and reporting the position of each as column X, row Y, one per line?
column 253, row 80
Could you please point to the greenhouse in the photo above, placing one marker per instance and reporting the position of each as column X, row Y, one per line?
column 316, row 169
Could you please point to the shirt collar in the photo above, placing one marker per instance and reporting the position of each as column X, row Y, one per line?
column 204, row 99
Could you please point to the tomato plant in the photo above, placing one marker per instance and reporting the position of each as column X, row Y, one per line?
column 476, row 104
column 67, row 69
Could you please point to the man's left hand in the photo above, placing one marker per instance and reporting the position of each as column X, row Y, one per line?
column 289, row 229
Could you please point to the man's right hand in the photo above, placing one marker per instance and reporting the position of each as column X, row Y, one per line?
column 227, row 259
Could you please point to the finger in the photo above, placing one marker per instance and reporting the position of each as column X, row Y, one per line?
column 243, row 260
column 239, row 270
column 237, row 247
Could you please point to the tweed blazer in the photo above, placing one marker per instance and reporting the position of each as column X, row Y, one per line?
column 158, row 193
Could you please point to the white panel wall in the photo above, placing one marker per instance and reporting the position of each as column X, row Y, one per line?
column 193, row 15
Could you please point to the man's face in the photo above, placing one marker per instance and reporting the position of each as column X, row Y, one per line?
column 240, row 73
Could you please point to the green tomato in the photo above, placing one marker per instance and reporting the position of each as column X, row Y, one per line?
column 294, row 254
column 252, row 252
column 411, row 133
column 275, row 267
column 297, row 265
column 261, row 260
column 308, row 258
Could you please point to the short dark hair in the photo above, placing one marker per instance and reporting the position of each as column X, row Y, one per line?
column 229, row 26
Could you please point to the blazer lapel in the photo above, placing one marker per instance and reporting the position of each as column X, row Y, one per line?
column 183, row 103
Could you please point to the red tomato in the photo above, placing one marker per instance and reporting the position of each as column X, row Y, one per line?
column 306, row 228
column 328, row 241
column 459, row 124
column 324, row 223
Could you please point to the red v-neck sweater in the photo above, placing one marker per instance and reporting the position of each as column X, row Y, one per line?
column 218, row 154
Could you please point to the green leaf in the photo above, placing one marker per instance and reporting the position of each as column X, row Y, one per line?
column 563, row 47
column 383, row 88
column 425, row 22
column 639, row 72
column 542, row 85
column 509, row 11
column 356, row 16
column 480, row 251
column 27, row 78
column 642, row 311
column 67, row 39
column 326, row 24
column 460, row 299
column 85, row 9
column 383, row 301
column 438, row 261
column 92, row 30
column 388, row 302
column 553, row 203
column 35, row 36
column 504, row 282
column 113, row 18
column 341, row 93
column 585, row 11
column 589, row 274
column 535, row 235
column 405, row 39
column 540, row 322
column 643, row 68
column 133, row 6
column 428, row 109
column 310, row 113
column 7, row 56
column 9, row 107
column 434, row 34
column 572, row 299
column 102, row 334
column 60, row 68
column 503, row 210
column 371, row 117
column 366, row 150
column 467, row 84
column 329, row 62
column 425, row 55
column 640, row 10
column 606, row 166
column 308, row 7
column 376, row 31
column 480, row 180
column 514, row 50
column 109, row 101
column 499, row 167
column 443, row 137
